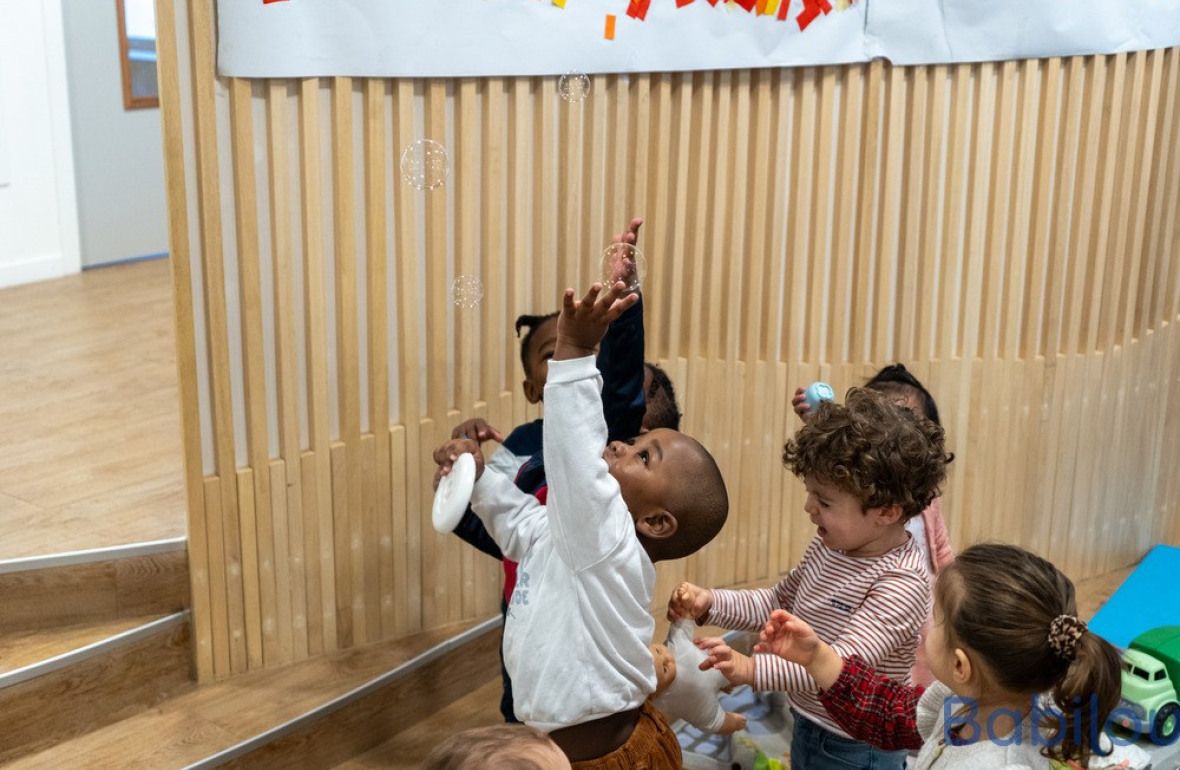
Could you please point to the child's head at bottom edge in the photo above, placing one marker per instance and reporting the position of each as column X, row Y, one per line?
column 673, row 489
column 1006, row 631
column 498, row 747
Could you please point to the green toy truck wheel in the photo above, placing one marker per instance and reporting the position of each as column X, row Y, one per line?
column 1166, row 720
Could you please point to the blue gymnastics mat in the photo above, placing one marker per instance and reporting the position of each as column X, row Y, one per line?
column 1148, row 598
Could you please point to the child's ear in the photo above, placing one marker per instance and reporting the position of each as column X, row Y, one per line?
column 887, row 515
column 531, row 391
column 963, row 670
column 660, row 525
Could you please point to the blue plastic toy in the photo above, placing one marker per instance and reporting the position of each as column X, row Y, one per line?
column 817, row 392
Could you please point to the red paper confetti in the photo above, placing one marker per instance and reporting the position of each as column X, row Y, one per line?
column 812, row 9
column 268, row 2
column 747, row 5
column 638, row 9
column 782, row 10
column 682, row 3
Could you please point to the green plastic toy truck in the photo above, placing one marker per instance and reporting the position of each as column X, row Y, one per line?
column 1151, row 671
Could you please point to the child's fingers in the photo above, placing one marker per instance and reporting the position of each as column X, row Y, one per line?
column 633, row 230
column 567, row 301
column 592, row 294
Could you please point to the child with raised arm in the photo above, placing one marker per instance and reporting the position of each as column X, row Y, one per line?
column 636, row 397
column 578, row 628
column 1006, row 635
column 868, row 465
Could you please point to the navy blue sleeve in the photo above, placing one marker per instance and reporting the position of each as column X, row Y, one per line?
column 473, row 532
column 620, row 361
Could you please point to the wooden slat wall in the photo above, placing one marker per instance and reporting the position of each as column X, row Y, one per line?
column 1009, row 230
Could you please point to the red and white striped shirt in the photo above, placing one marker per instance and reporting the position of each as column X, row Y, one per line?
column 872, row 607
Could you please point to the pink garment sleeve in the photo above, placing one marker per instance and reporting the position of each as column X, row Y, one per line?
column 941, row 554
column 937, row 538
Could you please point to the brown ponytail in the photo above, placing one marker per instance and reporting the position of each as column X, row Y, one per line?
column 1018, row 612
column 1086, row 694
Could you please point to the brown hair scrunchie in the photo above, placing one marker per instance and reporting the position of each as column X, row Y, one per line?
column 1064, row 634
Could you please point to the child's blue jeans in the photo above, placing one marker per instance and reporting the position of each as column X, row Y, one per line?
column 814, row 748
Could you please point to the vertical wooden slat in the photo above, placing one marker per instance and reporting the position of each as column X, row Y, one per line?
column 287, row 376
column 315, row 299
column 281, row 613
column 258, row 543
column 225, row 536
column 178, row 186
column 409, row 366
column 377, row 326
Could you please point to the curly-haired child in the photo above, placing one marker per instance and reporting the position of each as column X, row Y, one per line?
column 868, row 464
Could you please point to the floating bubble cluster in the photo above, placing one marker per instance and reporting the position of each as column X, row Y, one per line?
column 425, row 165
column 574, row 87
column 623, row 262
column 466, row 291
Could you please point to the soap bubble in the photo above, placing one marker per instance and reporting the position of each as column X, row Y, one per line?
column 574, row 87
column 623, row 262
column 425, row 165
column 466, row 291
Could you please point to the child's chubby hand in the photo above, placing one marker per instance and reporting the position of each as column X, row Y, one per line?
column 689, row 601
column 737, row 668
column 733, row 722
column 582, row 323
column 788, row 637
column 477, row 429
column 622, row 266
column 446, row 455
column 800, row 405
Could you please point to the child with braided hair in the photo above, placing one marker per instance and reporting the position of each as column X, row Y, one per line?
column 1021, row 682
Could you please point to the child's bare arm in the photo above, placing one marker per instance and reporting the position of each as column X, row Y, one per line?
column 583, row 322
column 733, row 722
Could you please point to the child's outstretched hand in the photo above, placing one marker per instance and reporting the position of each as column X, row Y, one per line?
column 477, row 429
column 793, row 640
column 800, row 405
column 689, row 601
column 446, row 455
column 788, row 637
column 737, row 668
column 621, row 264
column 583, row 322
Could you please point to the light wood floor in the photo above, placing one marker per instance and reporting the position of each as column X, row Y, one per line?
column 89, row 424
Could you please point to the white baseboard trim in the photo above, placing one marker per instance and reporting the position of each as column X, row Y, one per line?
column 39, row 268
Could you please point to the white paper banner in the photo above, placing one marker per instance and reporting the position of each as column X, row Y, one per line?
column 453, row 38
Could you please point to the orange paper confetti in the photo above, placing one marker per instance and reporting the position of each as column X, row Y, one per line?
column 609, row 33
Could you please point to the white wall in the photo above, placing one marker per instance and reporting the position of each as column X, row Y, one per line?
column 118, row 154
column 38, row 220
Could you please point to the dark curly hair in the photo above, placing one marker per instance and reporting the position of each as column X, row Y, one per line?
column 874, row 449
